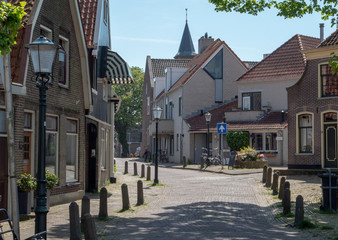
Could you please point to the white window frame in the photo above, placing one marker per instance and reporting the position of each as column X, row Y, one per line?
column 77, row 149
column 49, row 32
column 297, row 133
column 57, row 141
column 246, row 103
column 66, row 49
column 32, row 130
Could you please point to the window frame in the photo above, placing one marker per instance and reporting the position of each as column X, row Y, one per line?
column 65, row 50
column 298, row 137
column 56, row 132
column 249, row 96
column 76, row 133
column 320, row 80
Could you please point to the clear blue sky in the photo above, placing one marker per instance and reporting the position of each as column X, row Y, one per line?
column 154, row 27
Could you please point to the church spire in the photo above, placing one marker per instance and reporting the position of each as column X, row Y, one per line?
column 186, row 49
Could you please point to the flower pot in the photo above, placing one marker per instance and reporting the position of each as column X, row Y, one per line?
column 25, row 202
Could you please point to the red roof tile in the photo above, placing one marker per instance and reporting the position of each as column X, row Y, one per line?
column 199, row 60
column 330, row 40
column 285, row 61
column 88, row 10
column 270, row 121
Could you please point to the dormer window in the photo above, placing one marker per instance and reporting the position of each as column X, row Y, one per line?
column 63, row 71
column 328, row 81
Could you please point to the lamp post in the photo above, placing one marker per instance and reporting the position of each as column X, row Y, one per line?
column 42, row 52
column 208, row 119
column 157, row 115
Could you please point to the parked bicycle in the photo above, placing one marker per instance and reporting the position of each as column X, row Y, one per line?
column 163, row 156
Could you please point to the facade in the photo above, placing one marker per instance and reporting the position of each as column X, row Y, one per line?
column 313, row 111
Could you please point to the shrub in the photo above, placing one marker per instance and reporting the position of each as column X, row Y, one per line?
column 52, row 180
column 26, row 182
column 250, row 154
column 238, row 139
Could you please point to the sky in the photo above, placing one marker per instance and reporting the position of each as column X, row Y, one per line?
column 154, row 27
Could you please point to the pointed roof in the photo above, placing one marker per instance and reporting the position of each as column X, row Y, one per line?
column 330, row 40
column 159, row 65
column 287, row 61
column 186, row 49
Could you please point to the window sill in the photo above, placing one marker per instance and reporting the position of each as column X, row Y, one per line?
column 68, row 184
column 63, row 86
column 304, row 154
column 94, row 91
column 328, row 97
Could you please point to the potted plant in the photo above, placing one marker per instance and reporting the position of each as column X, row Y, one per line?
column 52, row 181
column 26, row 183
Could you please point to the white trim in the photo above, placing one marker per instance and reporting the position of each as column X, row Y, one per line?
column 98, row 120
column 77, row 150
column 97, row 23
column 32, row 131
column 57, row 141
column 297, row 133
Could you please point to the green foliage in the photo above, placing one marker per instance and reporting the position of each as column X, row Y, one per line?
column 326, row 227
column 238, row 139
column 26, row 182
column 306, row 224
column 289, row 215
column 52, row 180
column 286, row 8
column 10, row 22
column 250, row 154
column 130, row 113
column 334, row 63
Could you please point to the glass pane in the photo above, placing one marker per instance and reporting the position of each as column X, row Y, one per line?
column 215, row 66
column 71, row 158
column 257, row 141
column 28, row 120
column 246, row 103
column 51, row 123
column 3, row 121
column 271, row 142
column 305, row 120
column 256, row 105
column 219, row 90
column 71, row 126
column 305, row 139
column 51, row 152
column 330, row 117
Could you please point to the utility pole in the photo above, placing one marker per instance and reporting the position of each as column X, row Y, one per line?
column 14, row 211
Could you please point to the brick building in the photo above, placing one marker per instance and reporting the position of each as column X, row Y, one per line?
column 313, row 111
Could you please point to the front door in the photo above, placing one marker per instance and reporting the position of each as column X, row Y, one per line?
column 27, row 152
column 3, row 172
column 330, row 140
column 92, row 130
column 200, row 142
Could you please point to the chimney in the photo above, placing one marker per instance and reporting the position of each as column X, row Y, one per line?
column 204, row 42
column 321, row 27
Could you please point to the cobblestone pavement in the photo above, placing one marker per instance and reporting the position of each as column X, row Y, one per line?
column 189, row 205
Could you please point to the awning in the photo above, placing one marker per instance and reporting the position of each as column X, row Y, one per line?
column 118, row 70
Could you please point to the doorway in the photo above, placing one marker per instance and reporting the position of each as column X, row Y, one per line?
column 200, row 141
column 330, row 140
column 27, row 152
column 92, row 157
column 3, row 172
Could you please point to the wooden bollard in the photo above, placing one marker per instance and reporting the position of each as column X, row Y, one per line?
column 140, row 199
column 202, row 163
column 74, row 222
column 135, row 169
column 103, row 211
column 85, row 209
column 281, row 188
column 89, row 227
column 142, row 170
column 265, row 172
column 275, row 184
column 299, row 212
column 125, row 197
column 184, row 162
column 125, row 167
column 148, row 173
column 286, row 202
column 268, row 178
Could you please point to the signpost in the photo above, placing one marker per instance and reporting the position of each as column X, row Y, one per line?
column 221, row 128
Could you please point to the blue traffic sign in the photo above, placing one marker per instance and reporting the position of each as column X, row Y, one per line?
column 221, row 128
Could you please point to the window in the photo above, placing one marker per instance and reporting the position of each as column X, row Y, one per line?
column 215, row 67
column 218, row 90
column 47, row 32
column 63, row 62
column 329, row 82
column 177, row 141
column 251, row 101
column 305, row 133
column 180, row 106
column 51, row 143
column 257, row 141
column 72, row 151
column 171, row 110
column 3, row 122
column 27, row 120
column 172, row 145
column 148, row 105
column 105, row 12
column 103, row 148
column 270, row 141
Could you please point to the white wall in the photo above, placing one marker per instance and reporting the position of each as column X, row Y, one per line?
column 159, row 84
column 172, row 75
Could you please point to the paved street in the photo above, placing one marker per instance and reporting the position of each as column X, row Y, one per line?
column 189, row 205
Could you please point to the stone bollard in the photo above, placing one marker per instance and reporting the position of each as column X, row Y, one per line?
column 140, row 199
column 125, row 197
column 74, row 222
column 286, row 202
column 265, row 172
column 135, row 169
column 268, row 178
column 125, row 167
column 275, row 184
column 184, row 162
column 148, row 173
column 85, row 209
column 103, row 211
column 89, row 227
column 281, row 188
column 299, row 212
column 142, row 170
column 202, row 163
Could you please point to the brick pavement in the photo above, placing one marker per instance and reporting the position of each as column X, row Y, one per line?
column 190, row 205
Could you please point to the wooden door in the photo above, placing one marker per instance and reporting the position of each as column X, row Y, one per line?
column 27, row 152
column 3, row 173
column 330, row 145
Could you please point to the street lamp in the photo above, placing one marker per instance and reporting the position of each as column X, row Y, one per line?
column 157, row 111
column 208, row 119
column 42, row 52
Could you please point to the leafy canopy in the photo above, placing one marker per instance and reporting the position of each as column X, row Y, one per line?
column 10, row 22
column 287, row 8
column 130, row 113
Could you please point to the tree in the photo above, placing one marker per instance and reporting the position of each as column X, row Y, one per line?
column 130, row 113
column 238, row 140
